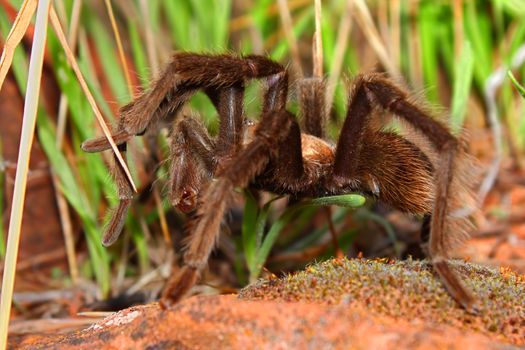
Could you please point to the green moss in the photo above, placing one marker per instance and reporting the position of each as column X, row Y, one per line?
column 409, row 290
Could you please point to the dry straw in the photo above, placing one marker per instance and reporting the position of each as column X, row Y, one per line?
column 73, row 62
column 26, row 140
column 16, row 34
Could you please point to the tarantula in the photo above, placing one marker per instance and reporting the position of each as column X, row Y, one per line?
column 274, row 155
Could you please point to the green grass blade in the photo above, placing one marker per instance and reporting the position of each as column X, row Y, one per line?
column 92, row 172
column 78, row 200
column 260, row 225
column 478, row 32
column 517, row 40
column 305, row 242
column 461, row 89
column 517, row 85
column 514, row 7
column 139, row 55
column 181, row 32
column 221, row 24
column 269, row 240
column 345, row 200
column 428, row 16
column 249, row 222
column 106, row 53
column 139, row 241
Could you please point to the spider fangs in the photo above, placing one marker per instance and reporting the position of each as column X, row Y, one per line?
column 275, row 156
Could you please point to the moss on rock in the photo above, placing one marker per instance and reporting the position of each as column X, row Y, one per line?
column 409, row 290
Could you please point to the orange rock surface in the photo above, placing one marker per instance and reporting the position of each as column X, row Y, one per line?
column 225, row 322
column 337, row 304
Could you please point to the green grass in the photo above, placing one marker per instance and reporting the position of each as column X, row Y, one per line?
column 461, row 88
column 516, row 84
column 257, row 244
column 493, row 30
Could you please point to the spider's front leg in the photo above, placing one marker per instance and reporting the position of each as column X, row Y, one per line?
column 222, row 77
column 233, row 166
column 353, row 157
column 125, row 195
column 271, row 132
column 192, row 163
column 187, row 73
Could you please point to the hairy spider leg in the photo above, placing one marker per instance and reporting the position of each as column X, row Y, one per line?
column 372, row 89
column 187, row 73
column 125, row 192
column 192, row 162
column 229, row 104
column 125, row 195
column 312, row 101
column 239, row 171
column 205, row 227
column 289, row 167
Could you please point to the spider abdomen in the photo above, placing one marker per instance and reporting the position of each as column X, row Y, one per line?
column 397, row 172
column 316, row 150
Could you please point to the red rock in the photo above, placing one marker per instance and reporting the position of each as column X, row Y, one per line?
column 225, row 322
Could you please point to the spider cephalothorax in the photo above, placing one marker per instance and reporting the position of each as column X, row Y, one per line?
column 274, row 155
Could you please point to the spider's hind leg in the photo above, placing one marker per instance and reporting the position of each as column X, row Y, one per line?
column 375, row 89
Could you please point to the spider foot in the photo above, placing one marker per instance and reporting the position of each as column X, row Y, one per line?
column 178, row 286
column 455, row 287
column 101, row 143
column 116, row 223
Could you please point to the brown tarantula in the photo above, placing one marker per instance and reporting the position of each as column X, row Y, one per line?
column 274, row 155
